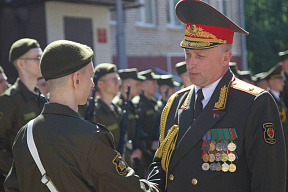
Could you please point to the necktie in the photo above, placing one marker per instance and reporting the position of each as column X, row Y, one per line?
column 198, row 107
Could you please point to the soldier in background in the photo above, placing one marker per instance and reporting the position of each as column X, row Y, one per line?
column 130, row 78
column 151, row 114
column 284, row 62
column 246, row 76
column 182, row 72
column 234, row 68
column 106, row 112
column 3, row 81
column 21, row 102
column 261, row 80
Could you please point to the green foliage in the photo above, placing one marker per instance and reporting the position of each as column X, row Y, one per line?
column 267, row 23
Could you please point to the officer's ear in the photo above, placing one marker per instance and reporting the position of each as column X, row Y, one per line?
column 76, row 79
column 227, row 57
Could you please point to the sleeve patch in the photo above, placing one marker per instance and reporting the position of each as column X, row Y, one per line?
column 120, row 165
column 269, row 133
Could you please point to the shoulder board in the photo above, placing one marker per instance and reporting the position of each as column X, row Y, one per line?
column 246, row 87
column 185, row 89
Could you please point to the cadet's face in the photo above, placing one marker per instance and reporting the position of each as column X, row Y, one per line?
column 110, row 84
column 134, row 87
column 206, row 66
column 31, row 61
column 150, row 87
column 3, row 83
column 185, row 79
column 276, row 84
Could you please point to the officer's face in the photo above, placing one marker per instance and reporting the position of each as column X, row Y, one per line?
column 206, row 66
column 31, row 63
column 3, row 83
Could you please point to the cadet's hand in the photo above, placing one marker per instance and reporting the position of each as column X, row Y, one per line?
column 136, row 154
column 155, row 145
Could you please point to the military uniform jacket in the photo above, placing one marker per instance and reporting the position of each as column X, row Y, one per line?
column 76, row 154
column 17, row 106
column 111, row 119
column 252, row 113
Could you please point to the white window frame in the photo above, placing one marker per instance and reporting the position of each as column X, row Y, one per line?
column 142, row 22
column 172, row 24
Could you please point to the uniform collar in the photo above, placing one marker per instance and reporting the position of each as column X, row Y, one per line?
column 275, row 94
column 60, row 109
column 19, row 85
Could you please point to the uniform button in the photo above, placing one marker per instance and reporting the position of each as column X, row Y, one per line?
column 194, row 181
column 171, row 177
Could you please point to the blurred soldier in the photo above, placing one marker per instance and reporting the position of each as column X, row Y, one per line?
column 42, row 85
column 167, row 87
column 106, row 112
column 3, row 81
column 151, row 114
column 234, row 68
column 246, row 76
column 76, row 155
column 20, row 102
column 284, row 62
column 130, row 78
column 182, row 72
column 261, row 80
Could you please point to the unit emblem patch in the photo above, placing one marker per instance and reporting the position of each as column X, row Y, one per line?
column 269, row 133
column 120, row 165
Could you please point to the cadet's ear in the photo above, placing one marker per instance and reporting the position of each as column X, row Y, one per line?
column 76, row 79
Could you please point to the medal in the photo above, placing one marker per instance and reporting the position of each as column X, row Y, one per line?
column 212, row 157
column 225, row 146
column 231, row 157
column 219, row 146
column 231, row 147
column 205, row 166
column 213, row 166
column 225, row 167
column 218, row 156
column 232, row 167
column 206, row 157
column 212, row 146
column 218, row 167
column 224, row 157
column 206, row 147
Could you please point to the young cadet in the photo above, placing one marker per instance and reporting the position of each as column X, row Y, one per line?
column 284, row 63
column 20, row 102
column 183, row 74
column 77, row 155
column 167, row 86
column 220, row 134
column 3, row 81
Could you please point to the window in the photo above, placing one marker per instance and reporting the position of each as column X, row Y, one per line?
column 146, row 16
column 224, row 6
column 172, row 20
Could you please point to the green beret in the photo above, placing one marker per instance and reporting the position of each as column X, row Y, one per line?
column 105, row 68
column 1, row 70
column 130, row 74
column 61, row 58
column 283, row 55
column 149, row 74
column 21, row 47
column 181, row 67
column 167, row 80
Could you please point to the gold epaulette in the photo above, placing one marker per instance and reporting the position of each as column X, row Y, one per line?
column 246, row 87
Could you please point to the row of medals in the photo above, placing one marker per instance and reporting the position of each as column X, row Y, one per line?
column 217, row 156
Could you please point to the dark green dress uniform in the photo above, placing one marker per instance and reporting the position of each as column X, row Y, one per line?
column 18, row 105
column 237, row 112
column 76, row 154
column 104, row 115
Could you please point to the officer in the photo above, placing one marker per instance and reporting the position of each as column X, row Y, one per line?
column 151, row 114
column 106, row 112
column 182, row 72
column 21, row 102
column 3, row 81
column 76, row 154
column 284, row 62
column 222, row 134
column 167, row 86
column 129, row 77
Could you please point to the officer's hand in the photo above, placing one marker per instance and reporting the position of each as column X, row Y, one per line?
column 155, row 145
column 136, row 154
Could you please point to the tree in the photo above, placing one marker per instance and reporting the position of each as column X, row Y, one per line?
column 267, row 23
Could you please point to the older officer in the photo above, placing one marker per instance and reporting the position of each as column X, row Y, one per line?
column 3, row 81
column 21, row 102
column 222, row 134
column 76, row 154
